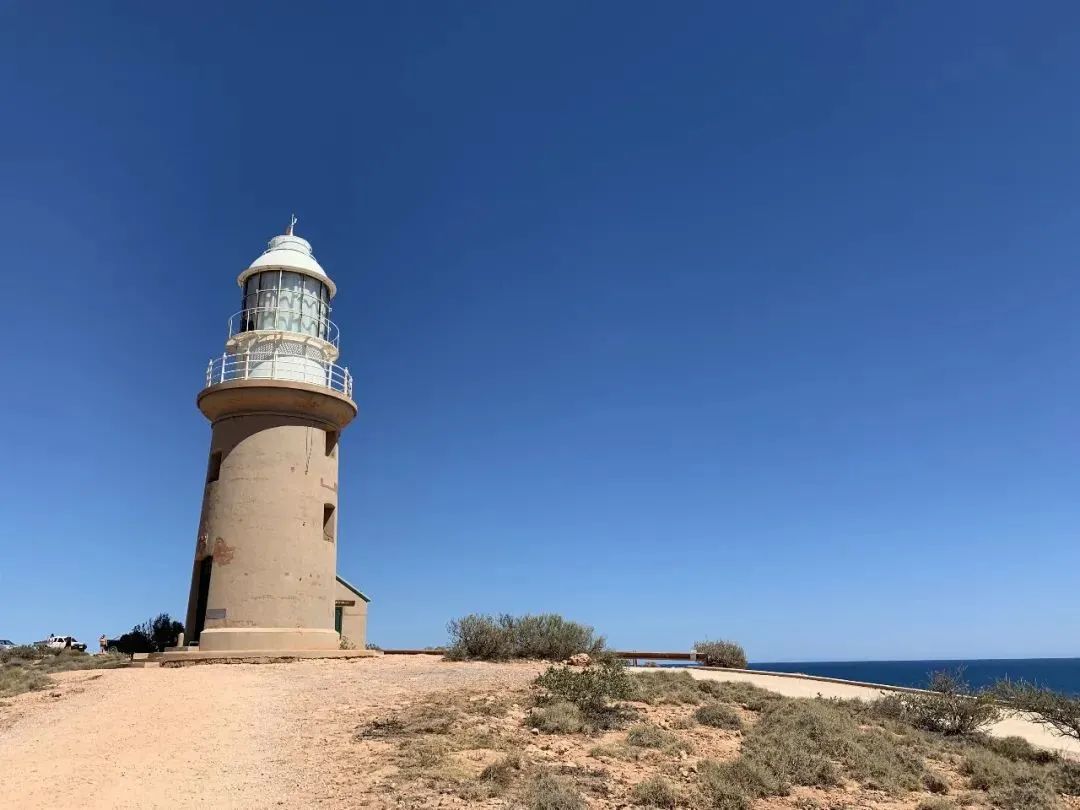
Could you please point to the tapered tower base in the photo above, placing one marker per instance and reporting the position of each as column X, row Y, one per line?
column 187, row 656
column 264, row 575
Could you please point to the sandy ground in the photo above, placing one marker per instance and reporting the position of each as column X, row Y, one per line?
column 805, row 687
column 225, row 736
column 247, row 736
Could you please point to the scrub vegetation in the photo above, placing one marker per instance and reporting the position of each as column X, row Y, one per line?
column 27, row 668
column 601, row 736
column 721, row 654
column 547, row 636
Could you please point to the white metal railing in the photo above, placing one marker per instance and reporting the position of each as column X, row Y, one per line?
column 267, row 365
column 277, row 319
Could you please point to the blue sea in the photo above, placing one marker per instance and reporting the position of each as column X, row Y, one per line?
column 1060, row 674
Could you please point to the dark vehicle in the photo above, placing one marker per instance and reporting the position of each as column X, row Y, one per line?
column 129, row 644
column 151, row 636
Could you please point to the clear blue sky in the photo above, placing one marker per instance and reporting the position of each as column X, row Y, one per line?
column 684, row 321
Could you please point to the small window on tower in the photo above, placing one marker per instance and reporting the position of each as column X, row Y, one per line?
column 214, row 470
column 331, row 442
column 328, row 522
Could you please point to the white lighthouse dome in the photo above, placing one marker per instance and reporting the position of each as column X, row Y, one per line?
column 288, row 252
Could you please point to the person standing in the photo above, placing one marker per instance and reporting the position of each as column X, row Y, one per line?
column 103, row 642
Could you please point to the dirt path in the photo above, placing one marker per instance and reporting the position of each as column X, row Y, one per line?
column 239, row 736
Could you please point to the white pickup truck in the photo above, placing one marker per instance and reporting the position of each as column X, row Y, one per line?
column 62, row 642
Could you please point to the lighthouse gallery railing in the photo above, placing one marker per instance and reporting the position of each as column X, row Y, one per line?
column 261, row 365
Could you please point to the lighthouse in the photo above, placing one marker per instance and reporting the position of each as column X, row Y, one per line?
column 264, row 577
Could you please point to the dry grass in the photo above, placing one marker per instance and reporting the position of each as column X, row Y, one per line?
column 26, row 669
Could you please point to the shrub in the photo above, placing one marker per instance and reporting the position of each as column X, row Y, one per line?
column 1017, row 749
column 949, row 707
column 547, row 636
column 804, row 741
column 1067, row 777
column 721, row 654
column 589, row 689
column 670, row 687
column 26, row 652
column 734, row 785
column 718, row 715
column 655, row 792
column 1059, row 712
column 984, row 770
column 549, row 792
column 1025, row 796
column 501, row 773
column 559, row 717
column 935, row 783
column 646, row 735
column 936, row 803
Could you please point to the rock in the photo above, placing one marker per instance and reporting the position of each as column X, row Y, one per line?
column 534, row 731
column 579, row 660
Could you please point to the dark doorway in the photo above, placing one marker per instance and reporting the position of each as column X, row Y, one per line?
column 205, row 568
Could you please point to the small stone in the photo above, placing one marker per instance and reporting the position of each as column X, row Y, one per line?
column 579, row 660
column 534, row 731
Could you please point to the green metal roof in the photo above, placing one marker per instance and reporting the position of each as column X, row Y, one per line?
column 353, row 588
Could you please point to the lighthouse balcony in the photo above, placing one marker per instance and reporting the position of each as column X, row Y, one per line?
column 284, row 362
column 299, row 324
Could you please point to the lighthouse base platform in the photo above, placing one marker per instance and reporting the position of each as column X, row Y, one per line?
column 187, row 656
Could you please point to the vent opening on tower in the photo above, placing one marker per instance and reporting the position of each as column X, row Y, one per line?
column 331, row 442
column 328, row 522
column 214, row 468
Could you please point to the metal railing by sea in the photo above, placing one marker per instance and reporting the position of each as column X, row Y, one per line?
column 277, row 366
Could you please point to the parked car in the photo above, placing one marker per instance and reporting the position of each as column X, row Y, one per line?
column 5, row 644
column 62, row 642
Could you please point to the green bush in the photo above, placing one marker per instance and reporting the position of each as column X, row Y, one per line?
column 655, row 792
column 590, row 689
column 646, row 735
column 558, row 717
column 721, row 654
column 502, row 772
column 1025, row 796
column 936, row 803
column 548, row 792
column 935, row 783
column 1017, row 749
column 547, row 636
column 807, row 742
column 718, row 715
column 949, row 707
column 734, row 785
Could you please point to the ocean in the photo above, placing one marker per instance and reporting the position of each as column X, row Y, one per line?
column 1060, row 674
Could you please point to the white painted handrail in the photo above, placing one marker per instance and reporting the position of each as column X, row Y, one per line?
column 271, row 319
column 275, row 366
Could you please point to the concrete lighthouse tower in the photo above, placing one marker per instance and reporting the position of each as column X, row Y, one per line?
column 264, row 575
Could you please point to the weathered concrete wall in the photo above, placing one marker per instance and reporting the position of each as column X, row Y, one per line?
column 353, row 616
column 274, row 560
